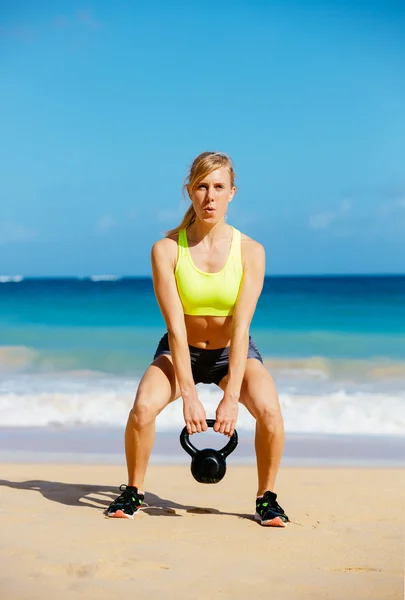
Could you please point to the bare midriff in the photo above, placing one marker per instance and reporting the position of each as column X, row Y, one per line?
column 209, row 333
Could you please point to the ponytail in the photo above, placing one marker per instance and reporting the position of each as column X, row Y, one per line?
column 187, row 220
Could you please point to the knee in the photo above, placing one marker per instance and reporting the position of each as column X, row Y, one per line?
column 270, row 417
column 142, row 414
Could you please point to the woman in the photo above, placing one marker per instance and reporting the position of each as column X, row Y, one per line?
column 207, row 278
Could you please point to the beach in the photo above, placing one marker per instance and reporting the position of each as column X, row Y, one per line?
column 71, row 357
column 345, row 539
column 246, row 219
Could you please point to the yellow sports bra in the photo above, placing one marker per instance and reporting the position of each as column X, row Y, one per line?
column 208, row 294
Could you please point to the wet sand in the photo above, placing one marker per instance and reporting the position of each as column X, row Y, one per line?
column 103, row 445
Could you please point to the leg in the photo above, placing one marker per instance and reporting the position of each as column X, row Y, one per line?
column 259, row 395
column 156, row 390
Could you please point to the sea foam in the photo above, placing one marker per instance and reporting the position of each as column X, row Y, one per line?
column 87, row 398
column 11, row 278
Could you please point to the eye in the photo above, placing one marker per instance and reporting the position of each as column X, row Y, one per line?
column 202, row 185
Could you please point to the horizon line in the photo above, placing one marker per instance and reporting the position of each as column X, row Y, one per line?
column 114, row 277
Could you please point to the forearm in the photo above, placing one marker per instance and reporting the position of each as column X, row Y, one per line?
column 193, row 410
column 181, row 362
column 237, row 361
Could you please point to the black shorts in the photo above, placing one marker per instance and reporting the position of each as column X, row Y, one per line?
column 208, row 366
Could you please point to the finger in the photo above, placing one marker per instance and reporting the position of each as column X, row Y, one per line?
column 227, row 428
column 197, row 426
column 222, row 427
column 204, row 425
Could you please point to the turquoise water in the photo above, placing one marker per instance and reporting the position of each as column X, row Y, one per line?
column 115, row 325
column 73, row 350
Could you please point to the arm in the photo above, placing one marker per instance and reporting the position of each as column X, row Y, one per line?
column 251, row 287
column 164, row 285
column 165, row 288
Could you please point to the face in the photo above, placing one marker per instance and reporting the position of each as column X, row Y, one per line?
column 212, row 196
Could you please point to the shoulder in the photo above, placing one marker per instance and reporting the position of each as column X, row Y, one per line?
column 252, row 251
column 165, row 249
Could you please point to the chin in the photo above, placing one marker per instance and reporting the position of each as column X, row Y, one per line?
column 212, row 218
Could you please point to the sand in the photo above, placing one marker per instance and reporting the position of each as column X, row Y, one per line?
column 199, row 541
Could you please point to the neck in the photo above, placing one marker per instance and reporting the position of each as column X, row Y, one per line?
column 200, row 230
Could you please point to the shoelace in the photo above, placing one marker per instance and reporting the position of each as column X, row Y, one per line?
column 127, row 496
column 268, row 501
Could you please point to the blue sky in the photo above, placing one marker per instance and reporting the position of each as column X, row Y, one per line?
column 103, row 105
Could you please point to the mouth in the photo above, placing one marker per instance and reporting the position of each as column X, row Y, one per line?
column 209, row 210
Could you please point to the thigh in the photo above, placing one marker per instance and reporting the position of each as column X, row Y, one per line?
column 158, row 386
column 258, row 391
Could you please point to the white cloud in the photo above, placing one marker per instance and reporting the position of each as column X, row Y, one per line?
column 321, row 220
column 391, row 208
column 324, row 220
column 105, row 223
column 15, row 233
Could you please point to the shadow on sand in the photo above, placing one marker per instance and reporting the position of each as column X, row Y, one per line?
column 100, row 496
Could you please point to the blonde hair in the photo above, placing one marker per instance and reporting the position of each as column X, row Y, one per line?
column 203, row 165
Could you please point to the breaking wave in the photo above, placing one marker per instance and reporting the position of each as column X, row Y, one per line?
column 92, row 398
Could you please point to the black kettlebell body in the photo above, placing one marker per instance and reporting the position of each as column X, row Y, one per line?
column 208, row 465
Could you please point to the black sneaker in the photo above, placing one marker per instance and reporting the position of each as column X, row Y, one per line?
column 269, row 512
column 127, row 504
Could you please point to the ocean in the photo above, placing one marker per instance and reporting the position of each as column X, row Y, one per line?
column 72, row 352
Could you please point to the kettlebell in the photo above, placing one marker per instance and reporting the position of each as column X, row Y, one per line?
column 208, row 465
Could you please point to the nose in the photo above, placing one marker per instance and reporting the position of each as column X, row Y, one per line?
column 210, row 192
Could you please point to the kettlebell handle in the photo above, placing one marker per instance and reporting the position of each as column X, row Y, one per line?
column 192, row 450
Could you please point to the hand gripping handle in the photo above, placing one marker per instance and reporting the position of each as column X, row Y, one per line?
column 192, row 450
